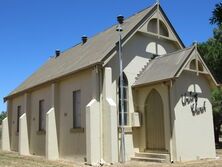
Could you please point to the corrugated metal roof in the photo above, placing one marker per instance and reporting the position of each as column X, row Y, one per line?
column 81, row 56
column 163, row 67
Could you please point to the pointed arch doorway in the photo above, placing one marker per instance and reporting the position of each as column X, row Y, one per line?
column 155, row 136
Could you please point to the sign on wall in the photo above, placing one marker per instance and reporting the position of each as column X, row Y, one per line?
column 191, row 98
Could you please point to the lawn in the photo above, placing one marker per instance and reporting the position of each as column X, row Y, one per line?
column 10, row 159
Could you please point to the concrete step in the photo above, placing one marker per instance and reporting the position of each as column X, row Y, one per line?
column 151, row 157
column 158, row 160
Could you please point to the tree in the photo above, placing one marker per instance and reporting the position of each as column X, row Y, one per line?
column 3, row 115
column 216, row 99
column 211, row 50
column 217, row 15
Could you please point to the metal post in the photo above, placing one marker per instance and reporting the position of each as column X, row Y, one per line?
column 119, row 29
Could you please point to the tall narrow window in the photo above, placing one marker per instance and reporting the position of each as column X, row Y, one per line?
column 19, row 108
column 125, row 101
column 42, row 115
column 77, row 109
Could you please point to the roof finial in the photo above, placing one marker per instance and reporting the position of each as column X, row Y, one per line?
column 158, row 2
column 195, row 43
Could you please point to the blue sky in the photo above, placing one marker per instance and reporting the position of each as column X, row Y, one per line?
column 31, row 30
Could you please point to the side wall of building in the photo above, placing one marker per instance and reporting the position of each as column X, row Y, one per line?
column 73, row 141
column 13, row 114
column 193, row 133
column 37, row 137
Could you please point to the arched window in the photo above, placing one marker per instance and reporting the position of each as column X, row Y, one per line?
column 193, row 64
column 200, row 66
column 163, row 29
column 125, row 101
column 152, row 27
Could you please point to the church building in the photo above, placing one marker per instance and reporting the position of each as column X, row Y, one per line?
column 70, row 108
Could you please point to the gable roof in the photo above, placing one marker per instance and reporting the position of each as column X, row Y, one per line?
column 169, row 63
column 171, row 67
column 80, row 57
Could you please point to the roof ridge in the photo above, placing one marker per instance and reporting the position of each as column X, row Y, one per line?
column 81, row 52
column 109, row 27
column 142, row 10
column 169, row 54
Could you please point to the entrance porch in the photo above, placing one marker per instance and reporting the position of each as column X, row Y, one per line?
column 153, row 137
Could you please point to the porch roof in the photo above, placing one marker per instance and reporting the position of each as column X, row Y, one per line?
column 164, row 67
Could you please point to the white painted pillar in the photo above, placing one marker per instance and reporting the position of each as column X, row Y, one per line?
column 5, row 135
column 52, row 152
column 52, row 149
column 9, row 117
column 110, row 138
column 27, row 111
column 23, row 136
column 93, row 133
column 93, row 137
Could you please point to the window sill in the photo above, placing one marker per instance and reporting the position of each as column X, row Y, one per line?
column 41, row 132
column 77, row 130
column 128, row 129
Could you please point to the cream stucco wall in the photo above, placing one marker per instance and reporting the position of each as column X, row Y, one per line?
column 193, row 135
column 18, row 101
column 73, row 142
column 37, row 138
column 140, row 100
column 135, row 57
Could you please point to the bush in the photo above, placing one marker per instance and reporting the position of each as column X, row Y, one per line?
column 2, row 116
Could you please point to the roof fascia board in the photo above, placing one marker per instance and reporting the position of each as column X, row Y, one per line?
column 50, row 81
column 152, row 83
column 187, row 61
column 209, row 71
column 101, row 62
column 173, row 29
column 129, row 35
column 184, row 64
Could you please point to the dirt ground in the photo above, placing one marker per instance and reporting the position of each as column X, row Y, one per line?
column 9, row 159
